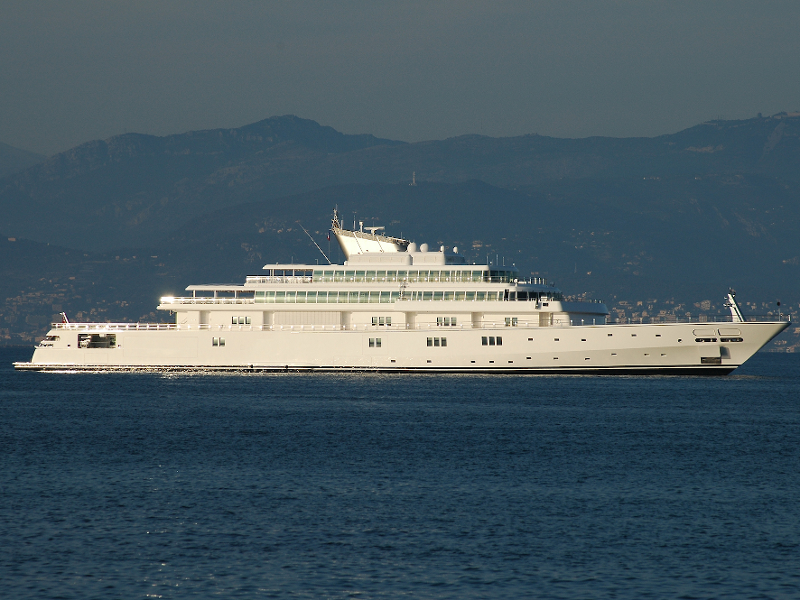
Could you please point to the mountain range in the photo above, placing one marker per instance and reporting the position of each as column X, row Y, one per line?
column 679, row 216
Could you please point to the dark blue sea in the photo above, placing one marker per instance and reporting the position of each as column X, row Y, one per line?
column 374, row 486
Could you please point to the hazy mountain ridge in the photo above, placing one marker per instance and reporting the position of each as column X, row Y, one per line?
column 676, row 218
column 14, row 159
column 133, row 189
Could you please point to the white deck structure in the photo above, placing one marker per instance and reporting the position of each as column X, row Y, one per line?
column 395, row 307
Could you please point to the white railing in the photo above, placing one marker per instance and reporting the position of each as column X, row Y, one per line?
column 277, row 279
column 377, row 328
column 198, row 300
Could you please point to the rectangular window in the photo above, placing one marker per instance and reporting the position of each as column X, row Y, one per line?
column 470, row 296
column 439, row 321
column 438, row 296
column 435, row 341
column 374, row 297
column 427, row 296
column 449, row 295
column 247, row 321
column 395, row 296
column 388, row 321
column 499, row 341
column 234, row 320
column 215, row 341
column 484, row 341
column 480, row 296
column 377, row 342
column 386, row 297
column 444, row 341
column 430, row 342
column 491, row 340
column 371, row 342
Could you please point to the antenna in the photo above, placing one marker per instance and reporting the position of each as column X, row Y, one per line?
column 315, row 243
column 413, row 178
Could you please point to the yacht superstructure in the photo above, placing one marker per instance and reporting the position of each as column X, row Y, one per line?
column 394, row 306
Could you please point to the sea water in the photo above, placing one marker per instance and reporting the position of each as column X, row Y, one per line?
column 128, row 485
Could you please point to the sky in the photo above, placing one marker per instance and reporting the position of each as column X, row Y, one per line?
column 74, row 71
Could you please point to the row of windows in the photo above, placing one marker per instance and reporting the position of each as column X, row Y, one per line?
column 218, row 341
column 303, row 297
column 416, row 275
column 374, row 342
column 446, row 321
column 240, row 321
column 491, row 341
column 381, row 321
column 436, row 342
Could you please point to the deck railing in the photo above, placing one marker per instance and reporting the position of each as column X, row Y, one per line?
column 500, row 325
column 203, row 300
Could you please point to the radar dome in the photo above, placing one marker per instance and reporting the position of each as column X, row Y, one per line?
column 423, row 248
column 412, row 247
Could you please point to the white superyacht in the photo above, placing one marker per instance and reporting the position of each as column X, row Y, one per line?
column 396, row 307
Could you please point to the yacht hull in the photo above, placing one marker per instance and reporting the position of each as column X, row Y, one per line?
column 637, row 349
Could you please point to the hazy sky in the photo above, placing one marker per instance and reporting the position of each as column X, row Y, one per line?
column 75, row 71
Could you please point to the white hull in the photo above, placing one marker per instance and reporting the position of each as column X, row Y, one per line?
column 618, row 349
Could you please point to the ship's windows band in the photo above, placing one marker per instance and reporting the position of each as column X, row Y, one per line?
column 375, row 297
